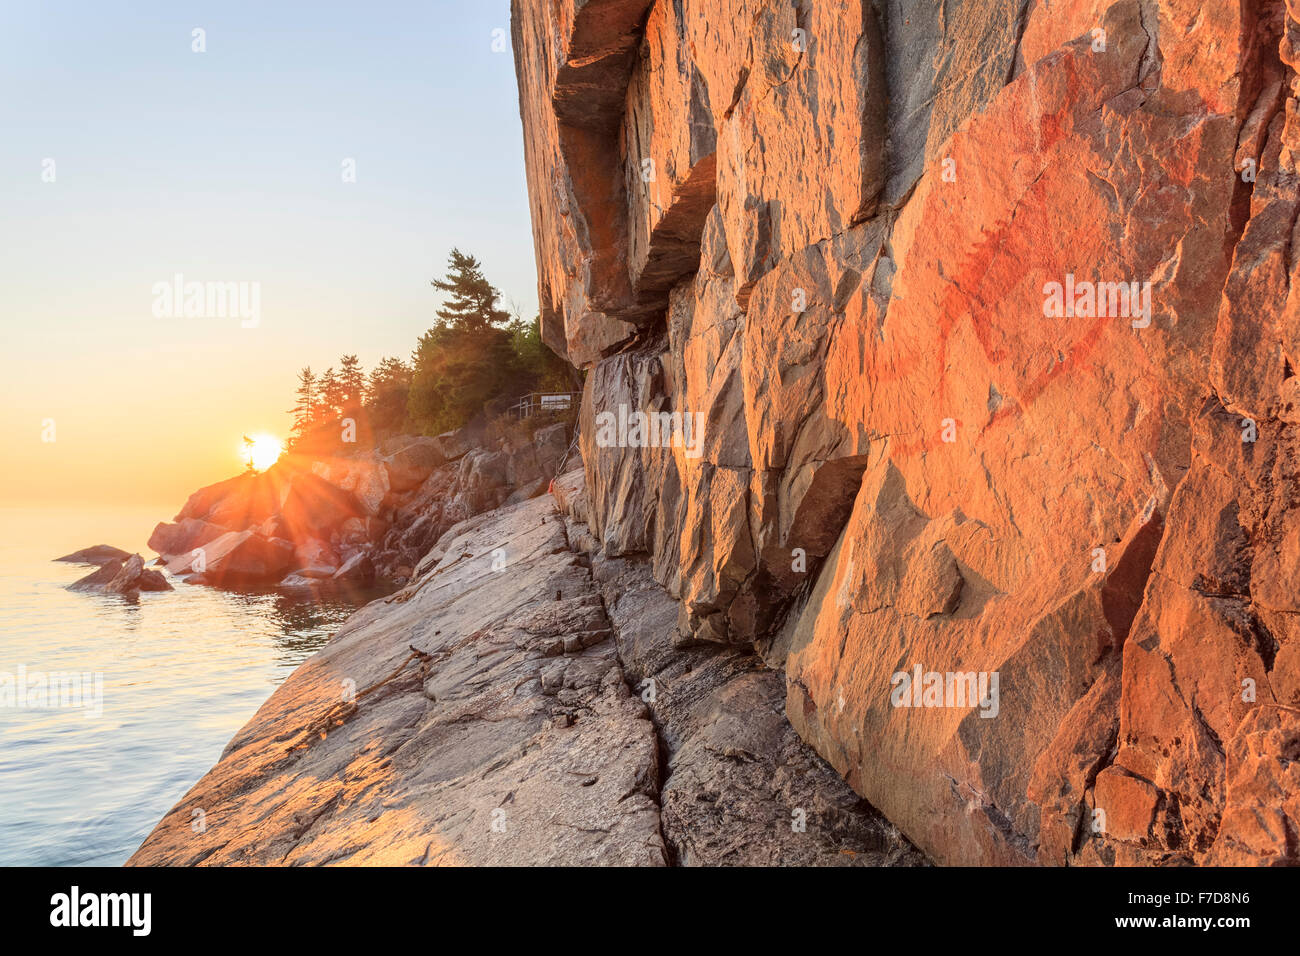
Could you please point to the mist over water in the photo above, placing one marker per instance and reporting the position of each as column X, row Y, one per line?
column 182, row 670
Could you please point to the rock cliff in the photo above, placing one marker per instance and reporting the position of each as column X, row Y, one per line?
column 939, row 353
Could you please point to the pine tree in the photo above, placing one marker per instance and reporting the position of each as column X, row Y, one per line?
column 466, row 360
column 352, row 384
column 473, row 360
column 473, row 303
column 386, row 394
column 329, row 397
column 542, row 370
column 389, row 374
column 304, row 408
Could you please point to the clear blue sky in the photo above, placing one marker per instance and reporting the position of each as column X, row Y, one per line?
column 226, row 166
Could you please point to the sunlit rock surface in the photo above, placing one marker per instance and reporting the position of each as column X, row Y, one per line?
column 482, row 715
column 831, row 231
column 509, row 738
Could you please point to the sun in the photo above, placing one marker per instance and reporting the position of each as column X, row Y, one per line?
column 260, row 452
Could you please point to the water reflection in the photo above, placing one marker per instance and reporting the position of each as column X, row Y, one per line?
column 305, row 618
column 182, row 670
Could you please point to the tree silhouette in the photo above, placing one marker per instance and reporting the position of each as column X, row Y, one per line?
column 304, row 407
column 386, row 395
column 352, row 384
column 329, row 397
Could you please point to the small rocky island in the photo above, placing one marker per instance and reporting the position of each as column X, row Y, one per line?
column 119, row 572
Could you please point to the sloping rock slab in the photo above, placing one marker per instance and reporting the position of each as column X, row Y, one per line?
column 479, row 716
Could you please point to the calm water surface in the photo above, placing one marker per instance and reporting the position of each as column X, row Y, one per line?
column 182, row 671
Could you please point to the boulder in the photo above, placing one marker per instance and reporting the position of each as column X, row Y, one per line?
column 98, row 579
column 552, row 445
column 526, row 492
column 292, row 499
column 522, row 466
column 570, row 493
column 201, row 502
column 411, row 464
column 240, row 502
column 135, row 577
column 313, row 552
column 238, row 557
column 358, row 569
column 365, row 478
column 100, row 554
column 127, row 577
column 393, row 444
column 360, row 531
column 316, row 571
column 311, row 505
column 454, row 444
column 184, row 535
column 299, row 580
column 484, row 480
column 273, row 527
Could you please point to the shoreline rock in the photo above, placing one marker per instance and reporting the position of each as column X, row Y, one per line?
column 126, row 577
column 390, row 504
column 100, row 554
column 483, row 716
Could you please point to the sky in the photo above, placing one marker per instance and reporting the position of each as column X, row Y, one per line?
column 128, row 158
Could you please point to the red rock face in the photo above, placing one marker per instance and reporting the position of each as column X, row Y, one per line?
column 988, row 322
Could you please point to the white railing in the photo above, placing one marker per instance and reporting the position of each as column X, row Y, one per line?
column 541, row 402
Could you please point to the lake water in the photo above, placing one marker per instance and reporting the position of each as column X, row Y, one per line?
column 181, row 672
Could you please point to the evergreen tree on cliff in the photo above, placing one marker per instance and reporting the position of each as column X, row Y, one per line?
column 386, row 395
column 304, row 406
column 352, row 382
column 329, row 397
column 467, row 359
column 473, row 300
column 543, row 370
